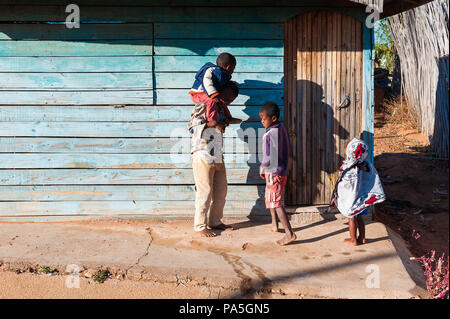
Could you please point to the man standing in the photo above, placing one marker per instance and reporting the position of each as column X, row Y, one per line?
column 208, row 165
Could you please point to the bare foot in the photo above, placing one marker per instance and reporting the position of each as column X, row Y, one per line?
column 223, row 227
column 274, row 229
column 361, row 240
column 351, row 242
column 286, row 240
column 206, row 233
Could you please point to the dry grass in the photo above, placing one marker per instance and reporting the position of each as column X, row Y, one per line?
column 400, row 113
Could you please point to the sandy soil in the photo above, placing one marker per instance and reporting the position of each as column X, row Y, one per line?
column 40, row 286
column 417, row 205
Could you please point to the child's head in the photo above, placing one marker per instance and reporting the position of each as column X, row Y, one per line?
column 229, row 93
column 227, row 62
column 269, row 113
column 356, row 151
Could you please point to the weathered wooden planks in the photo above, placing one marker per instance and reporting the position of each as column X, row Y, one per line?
column 44, row 60
column 216, row 47
column 76, row 48
column 25, row 97
column 290, row 102
column 149, row 14
column 328, row 65
column 76, row 64
column 219, row 31
column 330, row 100
column 111, row 113
column 104, row 31
column 116, row 145
column 141, row 80
column 213, row 4
column 193, row 63
column 316, row 94
column 136, row 161
column 59, row 131
column 119, row 208
column 92, row 135
column 118, row 129
column 119, row 193
column 144, row 176
column 255, row 97
column 368, row 88
column 184, row 80
column 75, row 81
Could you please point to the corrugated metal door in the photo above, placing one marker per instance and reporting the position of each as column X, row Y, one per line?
column 323, row 66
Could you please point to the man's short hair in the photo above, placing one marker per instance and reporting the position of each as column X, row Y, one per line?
column 233, row 87
column 270, row 109
column 225, row 59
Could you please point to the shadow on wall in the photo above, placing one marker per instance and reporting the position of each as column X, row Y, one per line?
column 318, row 156
column 440, row 138
column 252, row 106
column 312, row 158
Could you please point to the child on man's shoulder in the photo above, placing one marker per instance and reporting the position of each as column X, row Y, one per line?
column 209, row 83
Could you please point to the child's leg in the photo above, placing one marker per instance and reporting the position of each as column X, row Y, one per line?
column 211, row 112
column 269, row 200
column 274, row 226
column 273, row 197
column 290, row 236
column 361, row 229
column 200, row 98
column 352, row 230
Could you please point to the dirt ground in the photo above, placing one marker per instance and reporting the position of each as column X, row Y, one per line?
column 416, row 186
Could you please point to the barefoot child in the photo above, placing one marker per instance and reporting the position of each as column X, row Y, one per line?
column 274, row 168
column 358, row 187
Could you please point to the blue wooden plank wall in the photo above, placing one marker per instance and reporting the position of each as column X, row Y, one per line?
column 89, row 116
column 368, row 92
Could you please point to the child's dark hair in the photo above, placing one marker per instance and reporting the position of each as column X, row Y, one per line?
column 232, row 86
column 225, row 59
column 270, row 109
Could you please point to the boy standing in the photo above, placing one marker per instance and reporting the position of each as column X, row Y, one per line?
column 274, row 168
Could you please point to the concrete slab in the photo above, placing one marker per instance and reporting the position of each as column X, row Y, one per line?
column 246, row 261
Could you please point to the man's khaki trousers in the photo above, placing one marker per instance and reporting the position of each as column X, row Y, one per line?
column 211, row 191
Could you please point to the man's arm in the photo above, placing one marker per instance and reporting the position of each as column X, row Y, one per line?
column 211, row 123
column 231, row 120
column 218, row 125
column 235, row 121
